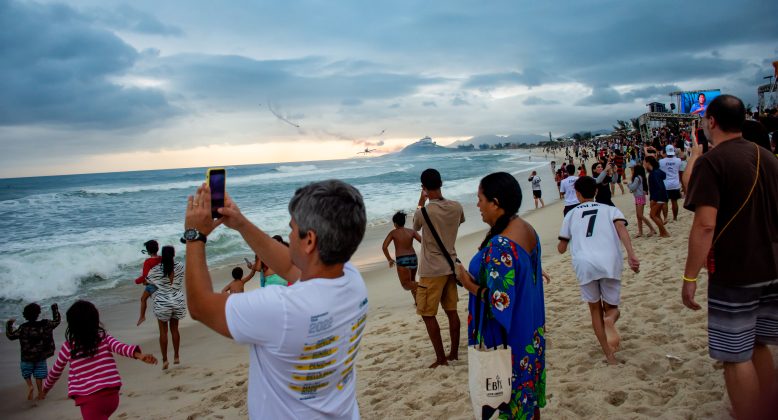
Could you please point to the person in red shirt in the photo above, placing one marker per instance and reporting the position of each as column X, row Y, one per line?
column 152, row 247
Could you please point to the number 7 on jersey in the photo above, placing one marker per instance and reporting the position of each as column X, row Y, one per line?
column 590, row 228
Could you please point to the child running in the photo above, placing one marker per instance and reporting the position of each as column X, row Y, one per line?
column 405, row 255
column 37, row 344
column 593, row 231
column 152, row 247
column 93, row 379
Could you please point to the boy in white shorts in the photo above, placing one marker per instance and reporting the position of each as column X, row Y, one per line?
column 593, row 230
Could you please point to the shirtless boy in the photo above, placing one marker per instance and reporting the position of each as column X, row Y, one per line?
column 405, row 255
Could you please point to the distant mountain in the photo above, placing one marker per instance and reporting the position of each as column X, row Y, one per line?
column 492, row 139
column 424, row 146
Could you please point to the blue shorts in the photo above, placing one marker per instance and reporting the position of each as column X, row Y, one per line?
column 407, row 261
column 150, row 289
column 37, row 369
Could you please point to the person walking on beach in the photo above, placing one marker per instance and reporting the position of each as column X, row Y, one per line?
column 734, row 196
column 36, row 342
column 568, row 191
column 437, row 282
column 93, row 378
column 593, row 231
column 504, row 281
column 637, row 187
column 405, row 256
column 671, row 166
column 304, row 338
column 169, row 301
column 657, row 193
column 536, row 191
column 152, row 247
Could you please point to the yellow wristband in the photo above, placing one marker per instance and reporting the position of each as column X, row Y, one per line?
column 688, row 279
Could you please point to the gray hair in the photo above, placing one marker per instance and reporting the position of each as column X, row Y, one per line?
column 336, row 212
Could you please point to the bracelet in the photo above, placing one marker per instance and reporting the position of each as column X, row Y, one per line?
column 690, row 280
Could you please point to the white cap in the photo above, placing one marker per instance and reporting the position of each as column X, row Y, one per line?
column 670, row 150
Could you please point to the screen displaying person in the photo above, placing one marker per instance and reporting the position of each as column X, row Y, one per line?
column 699, row 107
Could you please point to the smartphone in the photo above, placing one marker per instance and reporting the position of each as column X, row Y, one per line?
column 217, row 180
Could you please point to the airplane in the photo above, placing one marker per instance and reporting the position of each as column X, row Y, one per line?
column 367, row 151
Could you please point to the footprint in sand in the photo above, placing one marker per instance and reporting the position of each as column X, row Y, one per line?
column 616, row 398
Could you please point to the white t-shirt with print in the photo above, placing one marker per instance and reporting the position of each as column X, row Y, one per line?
column 535, row 183
column 670, row 166
column 303, row 342
column 594, row 242
column 567, row 188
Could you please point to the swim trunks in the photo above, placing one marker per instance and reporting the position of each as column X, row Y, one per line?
column 407, row 261
column 739, row 317
column 37, row 369
column 537, row 193
column 674, row 194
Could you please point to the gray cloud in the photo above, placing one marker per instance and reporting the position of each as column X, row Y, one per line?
column 59, row 72
column 606, row 95
column 530, row 77
column 126, row 17
column 534, row 100
column 429, row 104
column 459, row 101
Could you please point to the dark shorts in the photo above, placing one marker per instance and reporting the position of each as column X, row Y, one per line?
column 37, row 369
column 536, row 193
column 407, row 261
column 674, row 194
column 740, row 317
column 568, row 208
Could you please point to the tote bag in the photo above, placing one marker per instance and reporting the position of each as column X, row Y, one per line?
column 489, row 372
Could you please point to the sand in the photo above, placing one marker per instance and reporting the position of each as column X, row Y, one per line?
column 393, row 378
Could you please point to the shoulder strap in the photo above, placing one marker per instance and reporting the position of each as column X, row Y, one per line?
column 437, row 239
column 748, row 198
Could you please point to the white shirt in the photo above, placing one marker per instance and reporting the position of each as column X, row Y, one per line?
column 535, row 183
column 303, row 343
column 568, row 189
column 594, row 242
column 670, row 166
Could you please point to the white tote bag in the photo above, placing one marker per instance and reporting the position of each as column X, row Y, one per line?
column 489, row 372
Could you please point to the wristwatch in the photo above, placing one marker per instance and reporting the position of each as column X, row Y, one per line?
column 192, row 234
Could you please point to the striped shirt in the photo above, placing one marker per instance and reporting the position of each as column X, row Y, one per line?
column 169, row 299
column 89, row 375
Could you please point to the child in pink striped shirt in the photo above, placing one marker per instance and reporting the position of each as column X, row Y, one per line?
column 93, row 379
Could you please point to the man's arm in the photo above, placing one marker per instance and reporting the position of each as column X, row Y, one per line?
column 621, row 229
column 700, row 240
column 204, row 304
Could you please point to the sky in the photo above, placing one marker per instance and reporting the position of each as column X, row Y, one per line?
column 102, row 86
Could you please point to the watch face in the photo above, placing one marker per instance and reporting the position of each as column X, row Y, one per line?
column 191, row 234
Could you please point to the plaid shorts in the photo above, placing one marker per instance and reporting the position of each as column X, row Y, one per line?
column 37, row 369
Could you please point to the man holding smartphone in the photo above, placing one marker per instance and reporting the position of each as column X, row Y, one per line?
column 304, row 338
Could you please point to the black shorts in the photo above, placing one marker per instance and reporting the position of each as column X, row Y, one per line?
column 568, row 208
column 536, row 193
column 674, row 194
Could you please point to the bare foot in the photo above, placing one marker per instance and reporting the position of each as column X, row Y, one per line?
column 176, row 361
column 665, row 235
column 452, row 356
column 652, row 233
column 614, row 340
column 639, row 235
column 29, row 393
column 437, row 363
column 611, row 359
column 140, row 320
column 164, row 365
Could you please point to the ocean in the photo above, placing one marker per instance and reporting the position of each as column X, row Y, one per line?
column 80, row 236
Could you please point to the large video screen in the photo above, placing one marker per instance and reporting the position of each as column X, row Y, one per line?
column 697, row 102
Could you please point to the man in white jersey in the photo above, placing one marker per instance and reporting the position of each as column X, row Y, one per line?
column 593, row 230
column 566, row 188
column 536, row 192
column 671, row 166
column 303, row 338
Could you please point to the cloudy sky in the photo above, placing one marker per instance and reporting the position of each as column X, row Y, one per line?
column 96, row 86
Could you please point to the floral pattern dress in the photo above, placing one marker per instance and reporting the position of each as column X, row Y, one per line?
column 515, row 303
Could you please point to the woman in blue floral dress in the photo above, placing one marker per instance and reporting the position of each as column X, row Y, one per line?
column 506, row 278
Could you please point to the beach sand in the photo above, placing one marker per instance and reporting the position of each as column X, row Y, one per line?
column 393, row 380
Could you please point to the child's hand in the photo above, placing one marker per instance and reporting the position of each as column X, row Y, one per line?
column 545, row 276
column 147, row 358
column 12, row 320
column 54, row 307
column 634, row 264
column 391, row 263
column 42, row 395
